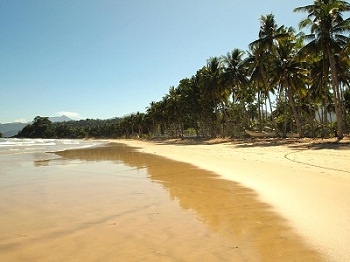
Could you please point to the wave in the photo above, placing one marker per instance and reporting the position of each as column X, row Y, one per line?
column 15, row 142
column 17, row 145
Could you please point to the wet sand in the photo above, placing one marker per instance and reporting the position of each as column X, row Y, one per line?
column 307, row 182
column 114, row 203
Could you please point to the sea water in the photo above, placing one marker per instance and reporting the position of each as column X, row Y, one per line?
column 10, row 146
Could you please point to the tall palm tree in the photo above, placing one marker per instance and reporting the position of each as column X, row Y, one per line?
column 327, row 29
column 190, row 103
column 319, row 93
column 212, row 79
column 235, row 77
column 268, row 34
column 263, row 49
column 234, row 72
column 343, row 69
column 208, row 116
column 253, row 63
column 212, row 83
column 290, row 74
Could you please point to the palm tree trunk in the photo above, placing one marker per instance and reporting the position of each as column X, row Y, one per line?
column 224, row 120
column 336, row 96
column 259, row 110
column 295, row 113
column 343, row 109
column 245, row 115
column 325, row 123
column 311, row 114
column 272, row 114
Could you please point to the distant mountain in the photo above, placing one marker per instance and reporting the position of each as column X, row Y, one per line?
column 11, row 129
column 58, row 119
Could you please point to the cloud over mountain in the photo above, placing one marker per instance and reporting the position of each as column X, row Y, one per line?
column 73, row 115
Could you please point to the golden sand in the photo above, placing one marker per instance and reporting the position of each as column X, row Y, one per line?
column 307, row 182
column 115, row 204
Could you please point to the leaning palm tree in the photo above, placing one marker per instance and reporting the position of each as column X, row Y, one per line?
column 327, row 37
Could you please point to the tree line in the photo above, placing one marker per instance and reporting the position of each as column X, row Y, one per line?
column 287, row 81
column 42, row 127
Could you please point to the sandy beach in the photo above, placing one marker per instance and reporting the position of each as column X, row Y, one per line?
column 177, row 200
column 307, row 182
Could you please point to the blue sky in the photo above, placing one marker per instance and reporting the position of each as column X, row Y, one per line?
column 109, row 58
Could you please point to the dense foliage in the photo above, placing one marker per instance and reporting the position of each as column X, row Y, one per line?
column 42, row 127
column 288, row 82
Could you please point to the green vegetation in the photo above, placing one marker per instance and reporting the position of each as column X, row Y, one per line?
column 42, row 127
column 287, row 81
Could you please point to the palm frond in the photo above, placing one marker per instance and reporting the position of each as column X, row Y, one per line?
column 307, row 22
column 342, row 27
column 303, row 9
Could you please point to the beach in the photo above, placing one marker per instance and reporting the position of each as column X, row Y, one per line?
column 177, row 200
column 307, row 182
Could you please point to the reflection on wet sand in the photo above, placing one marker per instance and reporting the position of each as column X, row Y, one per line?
column 122, row 215
column 225, row 206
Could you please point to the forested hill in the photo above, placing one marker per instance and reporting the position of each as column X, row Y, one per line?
column 42, row 127
column 11, row 129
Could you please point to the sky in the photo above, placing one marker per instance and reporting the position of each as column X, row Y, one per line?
column 110, row 58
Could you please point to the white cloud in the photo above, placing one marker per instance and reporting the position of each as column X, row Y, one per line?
column 21, row 120
column 70, row 114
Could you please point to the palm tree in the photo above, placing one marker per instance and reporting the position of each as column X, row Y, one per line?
column 263, row 49
column 289, row 73
column 235, row 77
column 152, row 113
column 212, row 84
column 189, row 102
column 319, row 93
column 343, row 65
column 327, row 28
column 234, row 73
column 208, row 116
column 256, row 80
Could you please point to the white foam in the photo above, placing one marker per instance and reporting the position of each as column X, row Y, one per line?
column 14, row 145
column 6, row 144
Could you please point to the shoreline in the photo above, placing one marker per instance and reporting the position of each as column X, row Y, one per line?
column 98, row 202
column 306, row 181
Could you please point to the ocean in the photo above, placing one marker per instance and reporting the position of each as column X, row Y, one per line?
column 11, row 146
